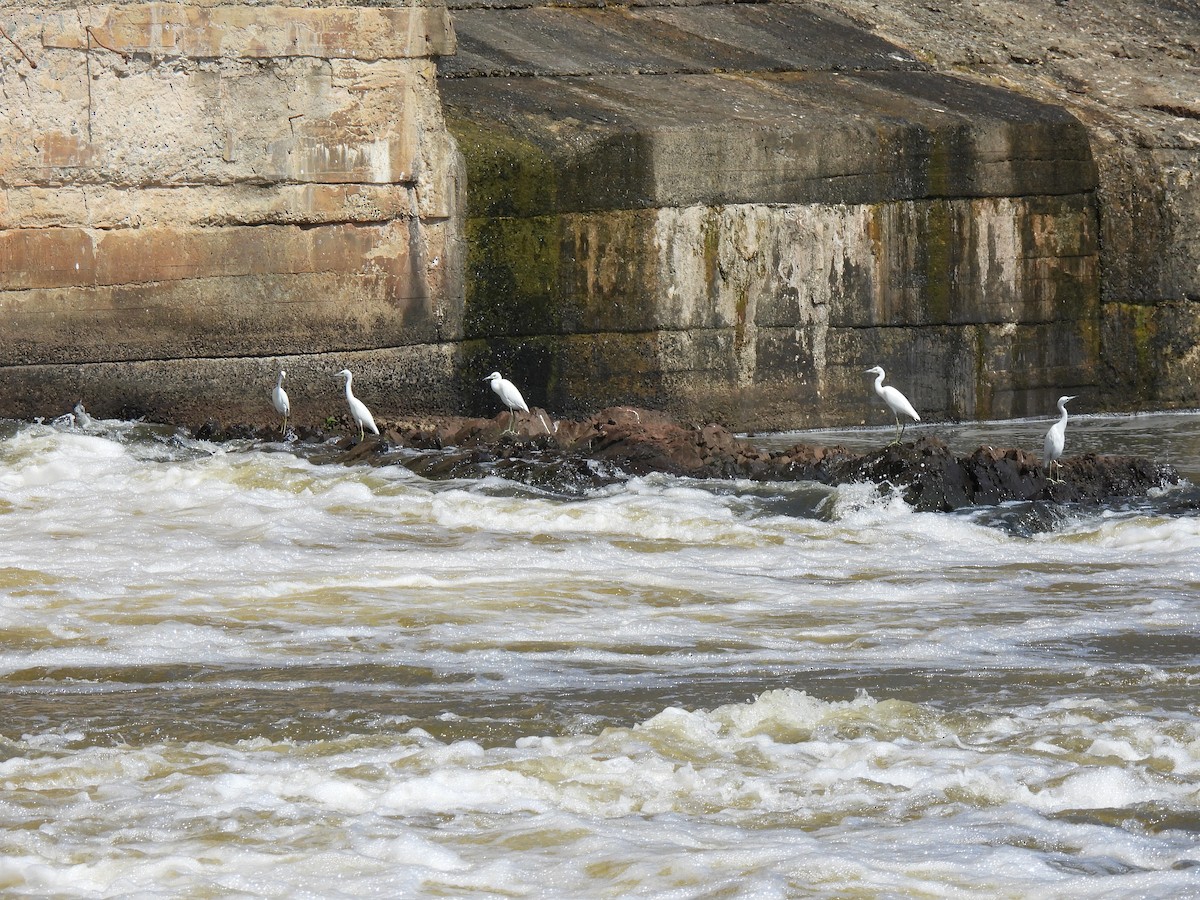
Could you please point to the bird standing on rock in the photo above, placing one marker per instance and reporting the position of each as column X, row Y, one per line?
column 1056, row 439
column 279, row 399
column 509, row 396
column 895, row 401
column 358, row 410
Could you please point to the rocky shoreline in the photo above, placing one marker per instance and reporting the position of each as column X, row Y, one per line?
column 623, row 441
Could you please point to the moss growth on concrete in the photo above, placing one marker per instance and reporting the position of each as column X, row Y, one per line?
column 983, row 378
column 609, row 272
column 741, row 327
column 536, row 272
column 1135, row 362
column 507, row 174
column 938, row 259
column 512, row 268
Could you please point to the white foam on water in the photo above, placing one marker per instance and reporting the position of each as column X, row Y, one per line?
column 143, row 576
column 659, row 804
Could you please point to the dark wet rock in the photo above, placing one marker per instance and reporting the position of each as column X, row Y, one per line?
column 931, row 477
column 649, row 443
column 215, row 431
column 354, row 450
column 575, row 456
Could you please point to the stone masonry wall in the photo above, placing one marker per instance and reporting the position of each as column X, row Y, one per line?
column 193, row 194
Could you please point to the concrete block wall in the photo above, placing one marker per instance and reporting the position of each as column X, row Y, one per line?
column 747, row 205
column 723, row 210
column 195, row 194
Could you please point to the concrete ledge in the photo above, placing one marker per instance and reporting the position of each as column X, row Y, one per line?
column 77, row 295
column 560, row 41
column 616, row 142
column 392, row 381
column 178, row 29
column 105, row 207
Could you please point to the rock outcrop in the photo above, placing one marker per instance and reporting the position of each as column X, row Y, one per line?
column 622, row 442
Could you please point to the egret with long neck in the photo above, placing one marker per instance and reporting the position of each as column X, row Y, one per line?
column 279, row 399
column 1056, row 439
column 509, row 396
column 895, row 401
column 358, row 410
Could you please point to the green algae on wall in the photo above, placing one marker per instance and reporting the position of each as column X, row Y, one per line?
column 512, row 279
column 511, row 262
column 609, row 272
column 532, row 279
column 938, row 240
column 1132, row 346
column 507, row 174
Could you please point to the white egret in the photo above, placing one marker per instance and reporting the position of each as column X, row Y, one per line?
column 280, row 400
column 509, row 396
column 1056, row 439
column 82, row 419
column 895, row 401
column 358, row 410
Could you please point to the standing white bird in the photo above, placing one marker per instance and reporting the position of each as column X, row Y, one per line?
column 509, row 396
column 358, row 409
column 895, row 401
column 280, row 400
column 82, row 419
column 1056, row 439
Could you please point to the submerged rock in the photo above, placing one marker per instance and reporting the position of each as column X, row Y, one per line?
column 622, row 442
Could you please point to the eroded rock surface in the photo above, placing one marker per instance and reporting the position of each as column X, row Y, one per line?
column 622, row 442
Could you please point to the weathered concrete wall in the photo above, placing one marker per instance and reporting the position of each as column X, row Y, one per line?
column 195, row 193
column 723, row 210
column 731, row 211
column 1127, row 69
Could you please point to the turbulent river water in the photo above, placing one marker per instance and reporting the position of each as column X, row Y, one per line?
column 242, row 670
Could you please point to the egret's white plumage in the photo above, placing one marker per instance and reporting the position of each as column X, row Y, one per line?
column 895, row 400
column 509, row 396
column 280, row 400
column 358, row 410
column 1056, row 439
column 82, row 419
